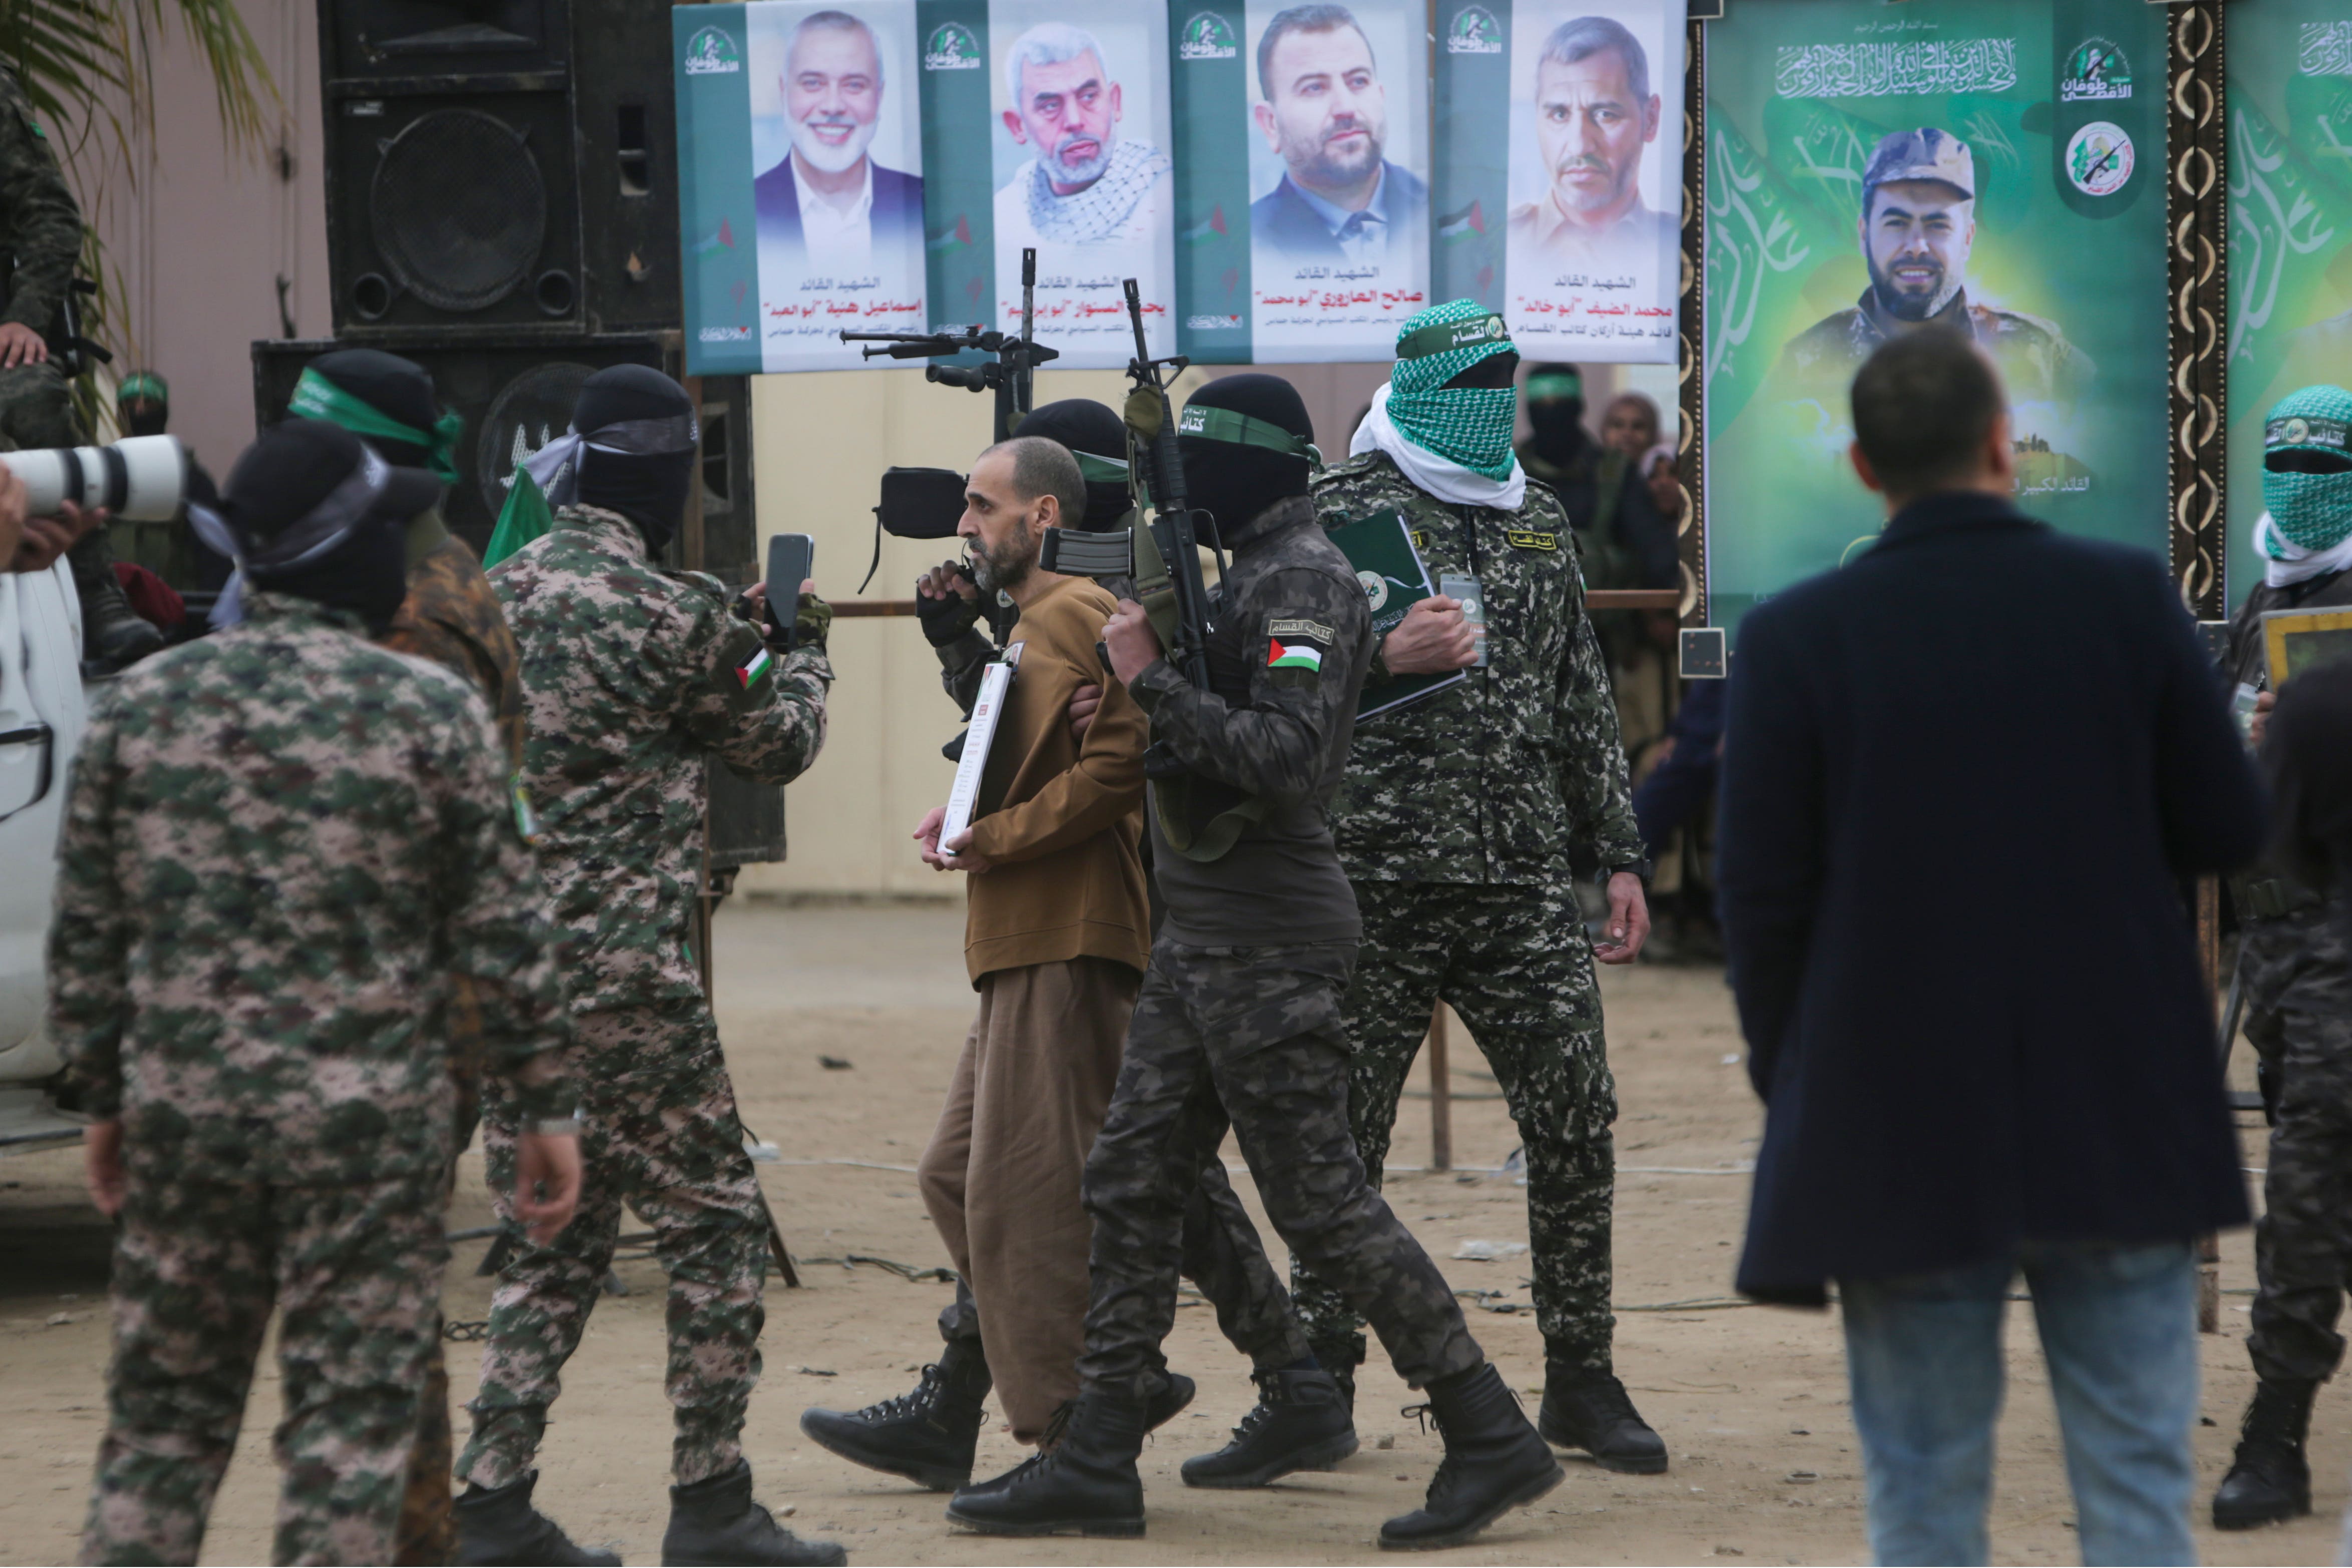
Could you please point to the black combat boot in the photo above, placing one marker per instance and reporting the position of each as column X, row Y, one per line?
column 928, row 1435
column 1299, row 1424
column 1340, row 1357
column 113, row 635
column 497, row 1526
column 2270, row 1480
column 1591, row 1411
column 714, row 1522
column 1167, row 1402
column 1493, row 1462
column 1083, row 1484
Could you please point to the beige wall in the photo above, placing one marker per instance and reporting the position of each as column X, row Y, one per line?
column 204, row 236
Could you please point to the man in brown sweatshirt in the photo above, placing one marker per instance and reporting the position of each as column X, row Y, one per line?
column 1055, row 936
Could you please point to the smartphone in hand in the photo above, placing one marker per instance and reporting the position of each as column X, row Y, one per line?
column 792, row 558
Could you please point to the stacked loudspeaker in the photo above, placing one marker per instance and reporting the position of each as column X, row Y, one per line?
column 502, row 209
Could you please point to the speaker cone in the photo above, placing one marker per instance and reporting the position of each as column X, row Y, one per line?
column 459, row 208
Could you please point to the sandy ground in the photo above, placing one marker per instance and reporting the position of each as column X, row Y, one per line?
column 1751, row 1400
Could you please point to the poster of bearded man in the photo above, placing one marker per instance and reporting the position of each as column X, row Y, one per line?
column 1339, row 173
column 838, row 144
column 1584, row 100
column 1083, row 174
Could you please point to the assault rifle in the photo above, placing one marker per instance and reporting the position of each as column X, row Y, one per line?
column 1012, row 375
column 1162, row 557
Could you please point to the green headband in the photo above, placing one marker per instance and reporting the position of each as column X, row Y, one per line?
column 1226, row 425
column 1554, row 384
column 146, row 385
column 1102, row 470
column 315, row 397
column 1443, row 336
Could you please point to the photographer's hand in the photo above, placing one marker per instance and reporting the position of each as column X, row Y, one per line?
column 13, row 521
column 20, row 345
column 44, row 539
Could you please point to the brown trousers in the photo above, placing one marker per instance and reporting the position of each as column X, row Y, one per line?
column 1002, row 1175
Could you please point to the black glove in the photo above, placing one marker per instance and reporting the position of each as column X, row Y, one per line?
column 945, row 620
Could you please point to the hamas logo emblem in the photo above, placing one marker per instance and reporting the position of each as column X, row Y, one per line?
column 1473, row 31
column 2095, row 72
column 1207, row 37
column 2299, row 431
column 1376, row 588
column 712, row 53
column 2099, row 159
column 952, row 47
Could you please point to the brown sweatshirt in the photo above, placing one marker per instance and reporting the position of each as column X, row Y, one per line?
column 1059, row 818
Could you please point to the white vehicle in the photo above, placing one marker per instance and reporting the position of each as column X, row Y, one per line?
column 43, row 711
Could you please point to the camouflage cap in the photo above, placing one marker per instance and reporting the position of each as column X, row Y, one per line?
column 1926, row 153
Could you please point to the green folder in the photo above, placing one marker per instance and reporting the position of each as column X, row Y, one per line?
column 1381, row 549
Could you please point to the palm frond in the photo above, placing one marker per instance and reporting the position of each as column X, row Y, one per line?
column 88, row 68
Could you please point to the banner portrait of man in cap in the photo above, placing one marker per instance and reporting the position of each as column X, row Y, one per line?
column 1917, row 228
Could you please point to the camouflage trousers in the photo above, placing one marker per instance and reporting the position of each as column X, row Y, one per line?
column 36, row 409
column 2298, row 987
column 659, row 1136
column 1513, row 962
column 1250, row 1038
column 356, row 1271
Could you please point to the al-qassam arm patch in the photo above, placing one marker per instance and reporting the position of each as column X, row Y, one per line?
column 1295, row 650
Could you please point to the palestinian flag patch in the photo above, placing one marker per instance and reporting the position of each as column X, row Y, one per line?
column 753, row 673
column 1282, row 655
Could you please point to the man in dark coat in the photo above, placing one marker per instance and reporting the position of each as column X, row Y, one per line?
column 1960, row 1082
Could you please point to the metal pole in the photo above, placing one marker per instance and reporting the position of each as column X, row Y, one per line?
column 1441, row 1095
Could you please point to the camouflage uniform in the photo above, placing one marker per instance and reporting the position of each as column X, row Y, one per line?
column 2037, row 363
column 2297, row 973
column 1463, row 822
column 629, row 683
column 40, row 226
column 1248, row 1034
column 279, row 845
column 452, row 618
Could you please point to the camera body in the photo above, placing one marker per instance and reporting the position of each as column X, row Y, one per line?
column 141, row 479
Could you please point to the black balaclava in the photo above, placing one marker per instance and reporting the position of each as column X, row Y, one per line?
column 1089, row 428
column 314, row 513
column 1556, row 415
column 397, row 388
column 1236, row 480
column 637, row 457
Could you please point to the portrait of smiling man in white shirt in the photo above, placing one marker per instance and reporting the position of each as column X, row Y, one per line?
column 827, row 204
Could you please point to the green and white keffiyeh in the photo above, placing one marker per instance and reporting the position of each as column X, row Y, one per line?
column 2310, row 503
column 1468, row 426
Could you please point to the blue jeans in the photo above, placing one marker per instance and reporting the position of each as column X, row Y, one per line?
column 2119, row 1329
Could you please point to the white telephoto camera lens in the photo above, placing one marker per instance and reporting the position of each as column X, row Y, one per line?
column 141, row 479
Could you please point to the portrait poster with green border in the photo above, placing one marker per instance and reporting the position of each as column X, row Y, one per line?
column 1559, row 171
column 2290, row 168
column 2051, row 115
